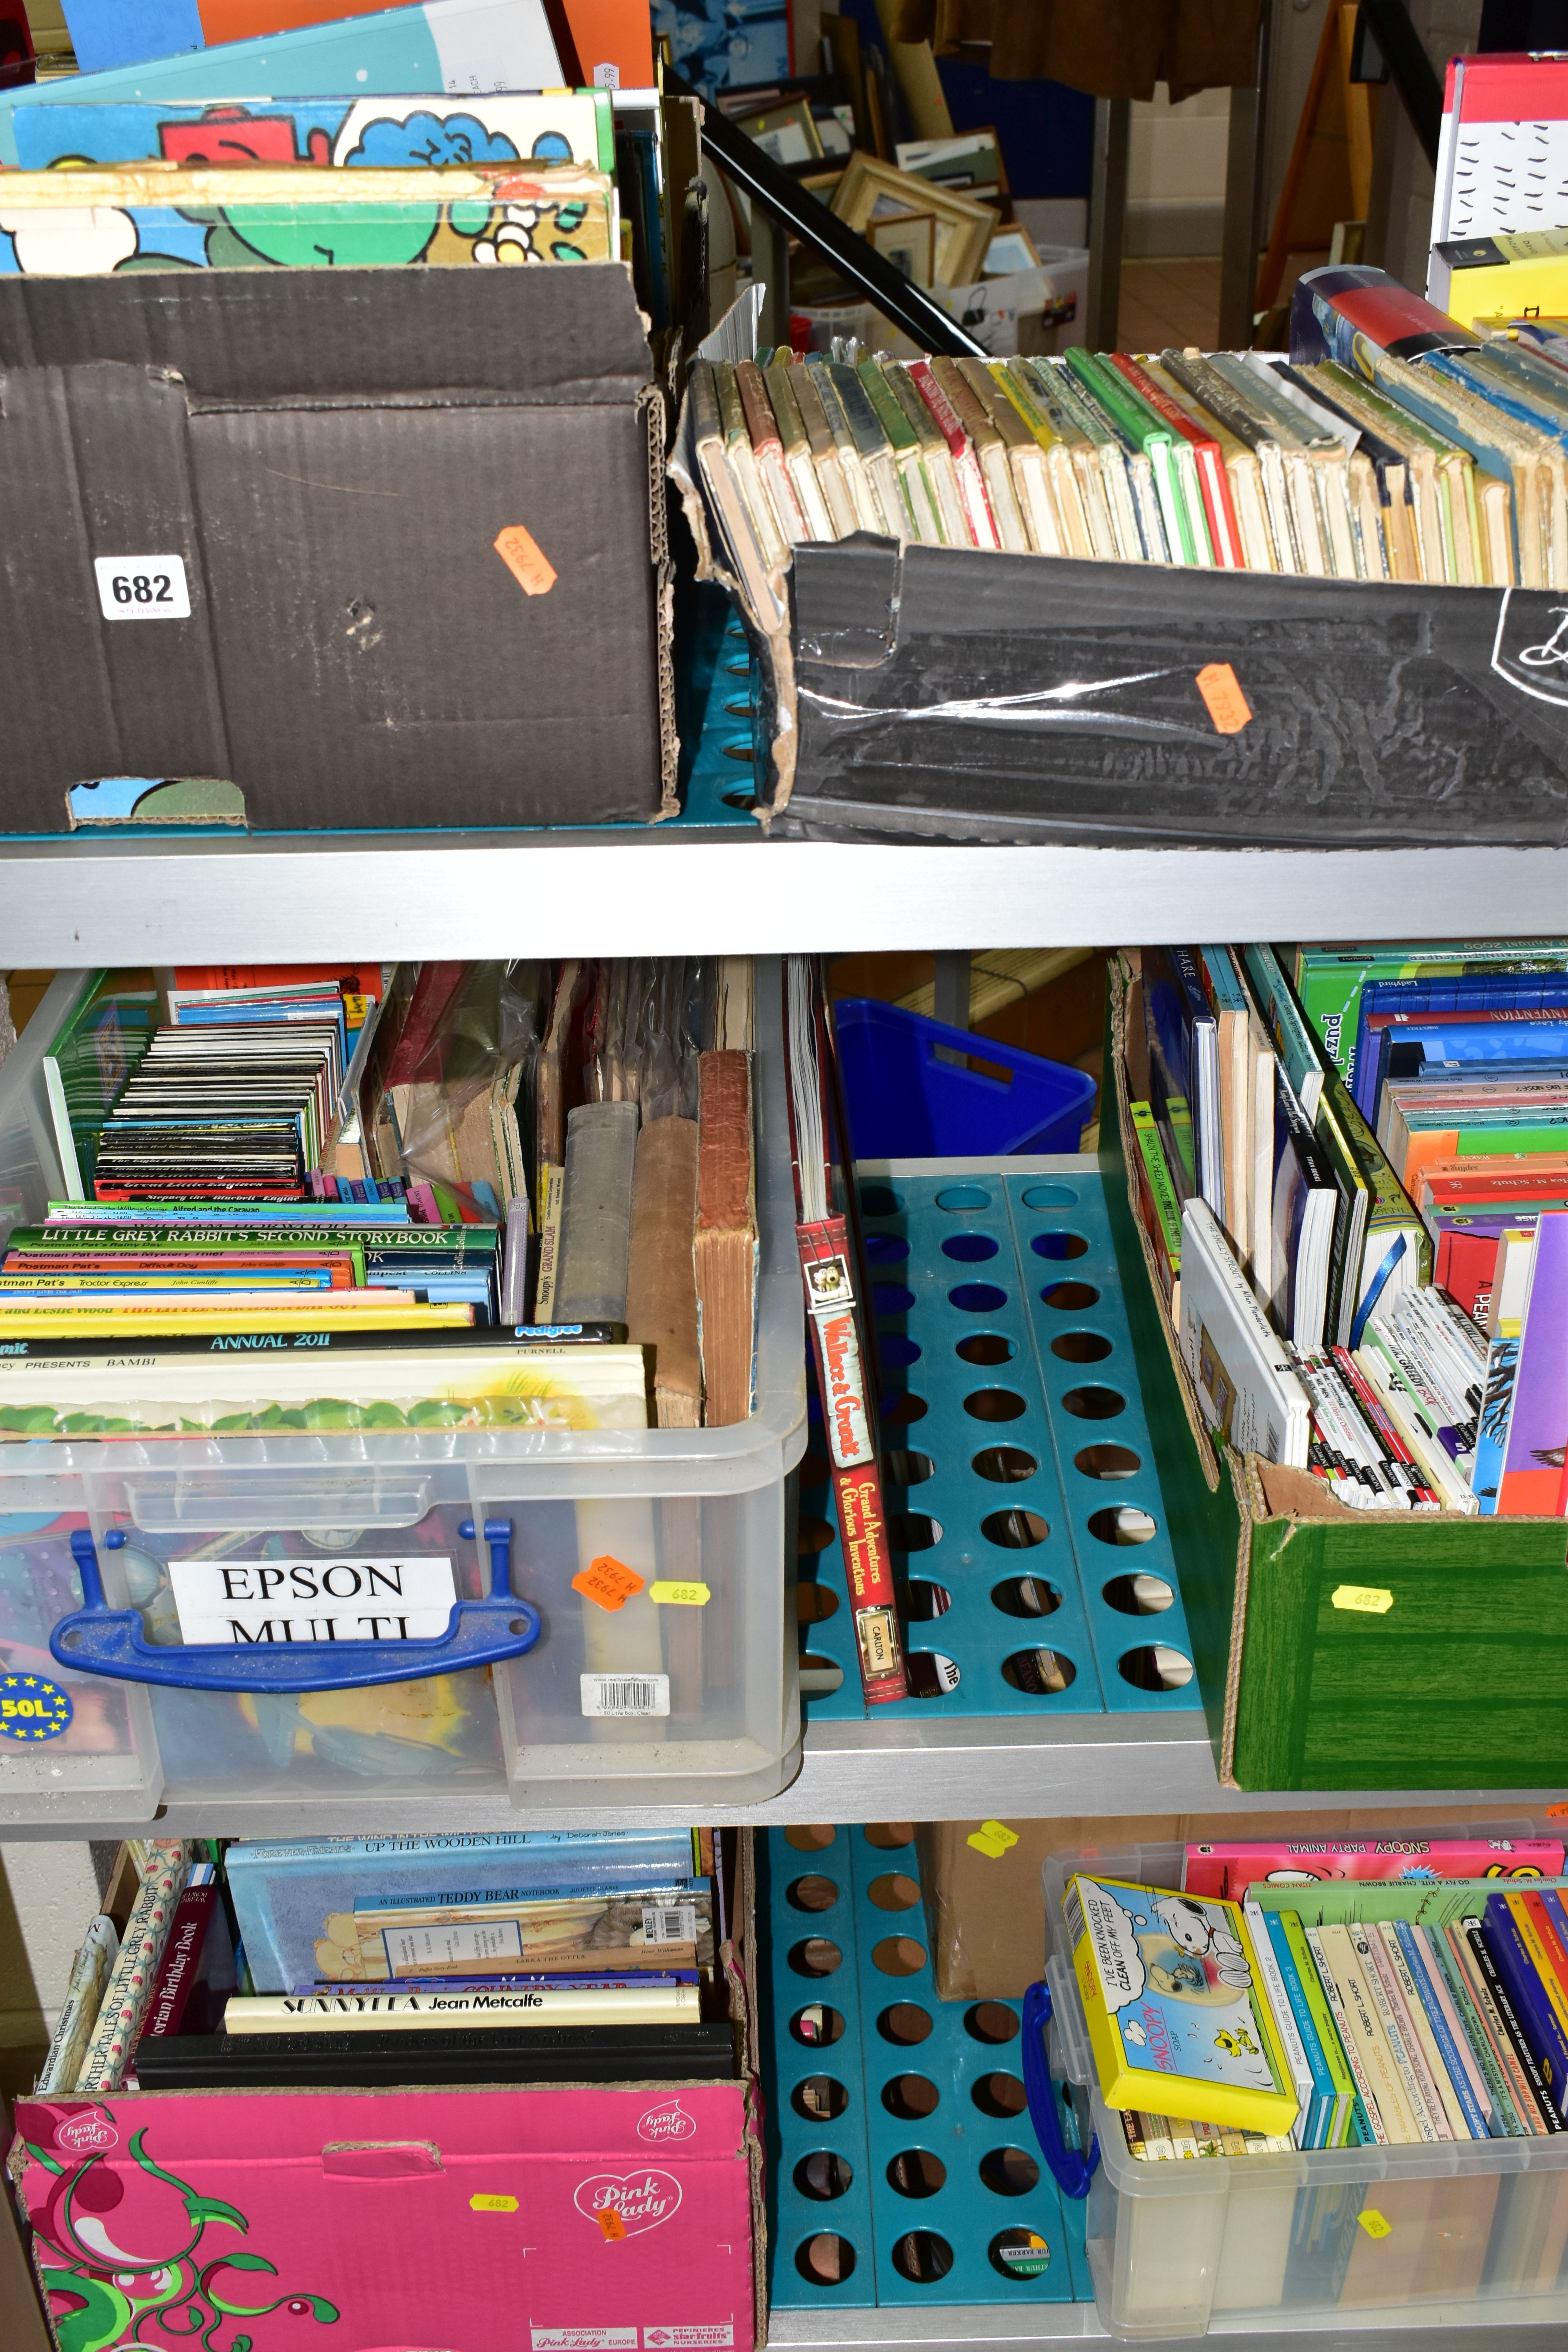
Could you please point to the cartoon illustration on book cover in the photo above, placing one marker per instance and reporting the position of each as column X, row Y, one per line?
column 1177, row 1983
column 526, row 226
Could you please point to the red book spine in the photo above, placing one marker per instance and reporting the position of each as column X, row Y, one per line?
column 1552, row 1942
column 966, row 465
column 1225, row 531
column 181, row 1961
column 856, row 1484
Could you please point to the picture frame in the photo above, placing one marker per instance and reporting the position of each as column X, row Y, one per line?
column 942, row 162
column 964, row 228
column 787, row 133
column 908, row 241
column 1011, row 249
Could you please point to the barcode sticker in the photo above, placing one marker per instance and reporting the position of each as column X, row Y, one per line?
column 669, row 1923
column 625, row 1693
column 1072, row 1912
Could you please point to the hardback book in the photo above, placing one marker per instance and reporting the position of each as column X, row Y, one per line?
column 1208, row 461
column 726, row 1237
column 1243, row 475
column 1249, row 1393
column 1532, row 1464
column 1183, row 1073
column 935, row 456
column 1158, row 1206
column 661, row 1287
column 197, row 1972
column 830, row 1262
column 597, row 1214
column 133, row 1975
column 834, row 488
column 1306, row 1203
column 1177, row 2019
column 908, row 454
column 768, row 452
column 796, row 445
column 78, row 2011
column 979, row 518
column 438, row 2055
column 491, row 2007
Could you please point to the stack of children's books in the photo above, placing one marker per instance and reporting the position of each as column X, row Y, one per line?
column 1375, row 1992
column 524, row 1956
column 1349, row 1168
column 487, row 1192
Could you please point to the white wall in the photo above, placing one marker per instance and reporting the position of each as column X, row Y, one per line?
column 47, row 1894
column 1175, row 173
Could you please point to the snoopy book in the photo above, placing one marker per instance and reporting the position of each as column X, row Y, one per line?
column 1178, row 2019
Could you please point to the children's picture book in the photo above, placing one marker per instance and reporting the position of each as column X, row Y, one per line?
column 561, row 126
column 159, row 216
column 1538, row 1424
column 1216, row 1869
column 1177, row 2019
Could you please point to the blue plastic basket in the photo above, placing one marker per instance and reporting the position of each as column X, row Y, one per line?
column 909, row 1101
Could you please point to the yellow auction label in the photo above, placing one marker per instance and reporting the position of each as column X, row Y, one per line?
column 679, row 1596
column 992, row 1838
column 1370, row 1599
column 1375, row 2223
column 492, row 2204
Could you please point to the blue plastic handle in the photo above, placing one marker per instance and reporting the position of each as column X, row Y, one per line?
column 98, row 1640
column 1071, row 2168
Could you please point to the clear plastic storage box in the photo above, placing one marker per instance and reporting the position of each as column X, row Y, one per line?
column 713, row 1708
column 1461, row 2234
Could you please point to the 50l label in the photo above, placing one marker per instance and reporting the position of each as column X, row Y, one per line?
column 142, row 587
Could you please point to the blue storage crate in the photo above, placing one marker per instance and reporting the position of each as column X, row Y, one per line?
column 902, row 2167
column 912, row 1094
column 1030, row 1538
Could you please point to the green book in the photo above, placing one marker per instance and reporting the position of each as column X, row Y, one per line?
column 86, row 1068
column 907, row 454
column 1420, row 1901
column 1286, row 1025
column 1167, row 1207
column 1329, row 981
column 1147, row 433
column 1347, row 2099
column 1505, row 2109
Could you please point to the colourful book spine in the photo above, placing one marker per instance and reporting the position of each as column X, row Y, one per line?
column 1447, row 2107
column 1349, row 2123
column 1318, row 2114
column 1529, row 2016
column 1366, row 2033
column 1527, row 2107
column 1369, row 2124
column 1458, row 2065
column 1535, row 1920
column 1431, row 2123
column 1298, row 2064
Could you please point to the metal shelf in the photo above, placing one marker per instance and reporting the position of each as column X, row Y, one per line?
column 1020, row 1767
column 972, row 2329
column 688, row 889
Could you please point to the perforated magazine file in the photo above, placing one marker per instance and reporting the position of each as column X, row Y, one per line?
column 1471, row 2234
column 833, row 1267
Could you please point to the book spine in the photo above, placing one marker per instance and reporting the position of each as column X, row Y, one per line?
column 1512, row 2024
column 181, row 1960
column 1522, row 2096
column 126, row 1994
column 78, row 2011
column 1511, row 1948
column 1287, row 2030
column 1345, row 2099
column 856, row 1484
column 1476, row 2035
column 1367, row 1945
column 1447, row 2107
column 337, row 2013
column 1368, row 2115
column 1458, row 2064
column 1317, row 2102
column 552, row 1195
column 1536, row 1920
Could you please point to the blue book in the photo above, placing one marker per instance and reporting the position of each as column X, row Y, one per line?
column 1537, row 2019
column 286, row 1891
column 1530, row 993
column 455, row 46
column 1320, row 2120
column 1414, row 1947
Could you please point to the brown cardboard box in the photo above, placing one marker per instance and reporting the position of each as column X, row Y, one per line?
column 987, row 1915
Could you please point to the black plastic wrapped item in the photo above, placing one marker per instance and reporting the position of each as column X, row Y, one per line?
column 950, row 695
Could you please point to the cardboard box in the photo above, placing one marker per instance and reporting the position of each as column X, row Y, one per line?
column 471, row 2221
column 955, row 695
column 403, row 537
column 985, row 1907
column 1457, row 1683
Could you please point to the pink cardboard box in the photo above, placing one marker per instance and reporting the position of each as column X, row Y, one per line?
column 626, row 2220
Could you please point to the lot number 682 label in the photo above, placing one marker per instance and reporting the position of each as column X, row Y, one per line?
column 143, row 588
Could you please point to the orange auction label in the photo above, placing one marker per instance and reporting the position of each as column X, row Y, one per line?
column 611, row 2223
column 607, row 1580
column 529, row 564
column 1221, row 690
column 1557, row 1812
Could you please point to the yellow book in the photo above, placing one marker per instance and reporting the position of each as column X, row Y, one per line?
column 1521, row 275
column 1540, row 1959
column 138, row 1322
column 1362, row 2026
column 1178, row 2019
